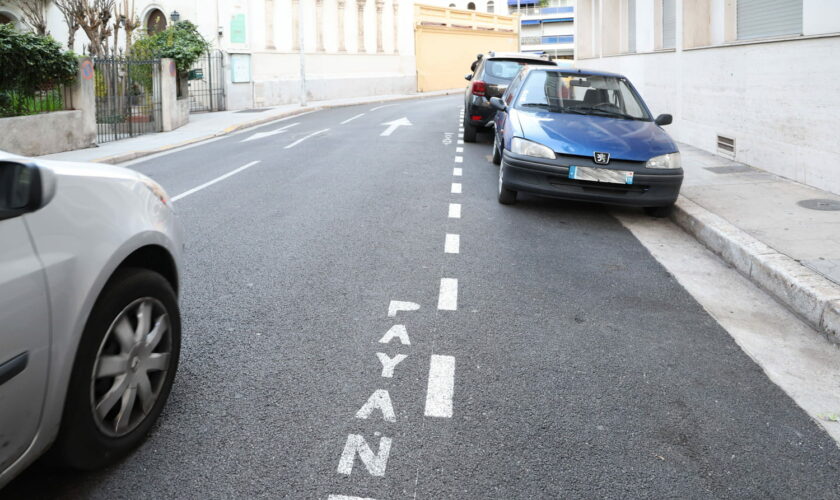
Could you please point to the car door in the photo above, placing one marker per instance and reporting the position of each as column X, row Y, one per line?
column 24, row 323
column 502, row 116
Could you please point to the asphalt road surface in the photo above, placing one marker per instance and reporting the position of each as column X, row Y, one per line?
column 547, row 354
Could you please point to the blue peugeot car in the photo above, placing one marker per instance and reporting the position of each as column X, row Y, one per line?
column 583, row 135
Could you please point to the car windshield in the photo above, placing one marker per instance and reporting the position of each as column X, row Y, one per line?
column 499, row 68
column 601, row 95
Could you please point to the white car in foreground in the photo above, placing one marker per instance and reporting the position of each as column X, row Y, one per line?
column 90, row 328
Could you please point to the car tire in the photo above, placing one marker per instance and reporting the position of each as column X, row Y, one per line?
column 506, row 196
column 497, row 152
column 85, row 440
column 469, row 131
column 659, row 212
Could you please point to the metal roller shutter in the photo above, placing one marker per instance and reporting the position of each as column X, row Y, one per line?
column 768, row 18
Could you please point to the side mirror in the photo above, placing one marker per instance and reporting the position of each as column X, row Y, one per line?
column 468, row 77
column 663, row 120
column 498, row 104
column 24, row 188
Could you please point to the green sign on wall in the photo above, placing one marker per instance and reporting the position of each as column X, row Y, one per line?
column 237, row 29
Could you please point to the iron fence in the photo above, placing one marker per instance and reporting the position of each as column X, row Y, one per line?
column 127, row 97
column 206, row 83
column 17, row 102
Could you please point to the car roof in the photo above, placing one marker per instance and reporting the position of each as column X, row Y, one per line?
column 516, row 55
column 569, row 69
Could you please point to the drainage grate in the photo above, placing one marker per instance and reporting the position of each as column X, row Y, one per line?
column 726, row 146
column 253, row 110
column 734, row 169
column 820, row 204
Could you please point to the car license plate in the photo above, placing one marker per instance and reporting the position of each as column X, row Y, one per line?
column 600, row 175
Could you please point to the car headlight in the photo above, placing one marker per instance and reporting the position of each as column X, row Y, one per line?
column 671, row 160
column 525, row 147
column 156, row 190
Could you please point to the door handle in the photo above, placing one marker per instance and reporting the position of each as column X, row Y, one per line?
column 9, row 369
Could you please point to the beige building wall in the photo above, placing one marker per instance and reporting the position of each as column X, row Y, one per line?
column 447, row 40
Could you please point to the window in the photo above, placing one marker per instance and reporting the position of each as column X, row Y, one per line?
column 471, row 6
column 597, row 95
column 491, row 6
column 768, row 18
column 155, row 21
column 669, row 24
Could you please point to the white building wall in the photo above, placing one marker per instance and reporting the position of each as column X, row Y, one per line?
column 777, row 99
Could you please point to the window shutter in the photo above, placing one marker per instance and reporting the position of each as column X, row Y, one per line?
column 631, row 25
column 669, row 24
column 768, row 18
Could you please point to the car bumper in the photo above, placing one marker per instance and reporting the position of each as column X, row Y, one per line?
column 649, row 189
column 480, row 107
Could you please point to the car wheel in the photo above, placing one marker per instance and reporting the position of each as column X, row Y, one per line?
column 123, row 372
column 506, row 196
column 659, row 212
column 469, row 131
column 497, row 151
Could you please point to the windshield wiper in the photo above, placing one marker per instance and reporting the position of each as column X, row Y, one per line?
column 536, row 105
column 591, row 109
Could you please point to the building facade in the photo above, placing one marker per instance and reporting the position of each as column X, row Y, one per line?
column 352, row 47
column 547, row 26
column 753, row 80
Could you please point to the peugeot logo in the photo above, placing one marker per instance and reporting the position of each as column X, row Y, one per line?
column 602, row 158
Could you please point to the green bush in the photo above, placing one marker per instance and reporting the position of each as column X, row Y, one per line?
column 33, row 65
column 180, row 41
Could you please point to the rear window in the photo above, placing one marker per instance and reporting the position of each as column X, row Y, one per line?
column 507, row 69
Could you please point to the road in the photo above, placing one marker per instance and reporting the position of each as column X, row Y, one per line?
column 547, row 353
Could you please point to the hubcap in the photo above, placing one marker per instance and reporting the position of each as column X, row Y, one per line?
column 500, row 179
column 131, row 367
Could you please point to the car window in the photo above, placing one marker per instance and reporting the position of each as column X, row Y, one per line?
column 562, row 92
column 511, row 90
column 15, row 181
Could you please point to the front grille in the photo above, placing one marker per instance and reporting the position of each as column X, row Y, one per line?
column 560, row 181
column 588, row 161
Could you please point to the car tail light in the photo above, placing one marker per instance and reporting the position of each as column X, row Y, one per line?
column 479, row 88
column 476, row 117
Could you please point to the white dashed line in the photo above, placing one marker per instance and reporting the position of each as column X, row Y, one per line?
column 313, row 134
column 459, row 150
column 461, row 140
column 459, row 159
column 383, row 106
column 217, row 179
column 452, row 243
column 441, row 386
column 352, row 118
column 456, row 188
column 345, row 497
column 454, row 210
column 448, row 298
column 457, row 171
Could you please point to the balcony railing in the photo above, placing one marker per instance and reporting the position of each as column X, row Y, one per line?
column 536, row 11
column 547, row 40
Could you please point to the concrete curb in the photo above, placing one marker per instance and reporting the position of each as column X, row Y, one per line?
column 133, row 155
column 808, row 294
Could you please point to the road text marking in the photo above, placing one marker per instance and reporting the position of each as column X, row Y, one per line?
column 396, row 331
column 375, row 462
column 313, row 134
column 448, row 298
column 441, row 386
column 388, row 364
column 396, row 306
column 379, row 400
column 452, row 243
column 210, row 183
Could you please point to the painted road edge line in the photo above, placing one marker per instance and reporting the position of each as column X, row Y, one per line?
column 441, row 386
column 217, row 179
column 452, row 244
column 448, row 298
column 313, row 134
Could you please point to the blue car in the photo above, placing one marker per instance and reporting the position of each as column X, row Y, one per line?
column 583, row 135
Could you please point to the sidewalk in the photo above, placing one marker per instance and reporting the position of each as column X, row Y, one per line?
column 783, row 235
column 204, row 126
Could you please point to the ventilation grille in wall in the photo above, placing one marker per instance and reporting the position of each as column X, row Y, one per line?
column 726, row 146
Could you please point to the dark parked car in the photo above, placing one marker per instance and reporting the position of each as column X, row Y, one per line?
column 490, row 79
column 583, row 135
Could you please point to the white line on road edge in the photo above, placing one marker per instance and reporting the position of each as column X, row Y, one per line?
column 457, row 171
column 454, row 210
column 448, row 298
column 459, row 159
column 210, row 183
column 456, row 188
column 441, row 386
column 313, row 134
column 383, row 106
column 452, row 243
column 352, row 118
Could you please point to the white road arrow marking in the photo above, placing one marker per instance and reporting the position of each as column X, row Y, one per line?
column 260, row 135
column 393, row 125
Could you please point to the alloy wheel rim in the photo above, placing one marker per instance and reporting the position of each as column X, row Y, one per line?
column 131, row 367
